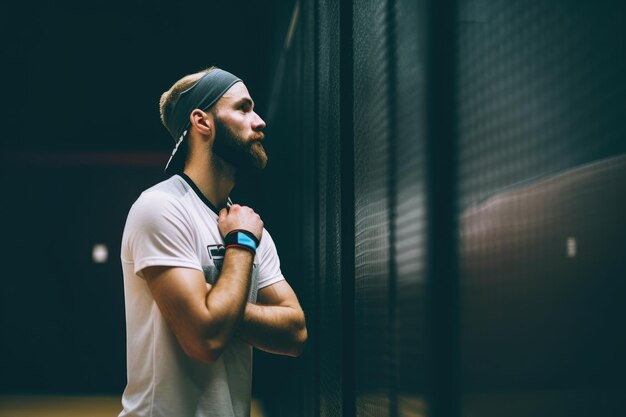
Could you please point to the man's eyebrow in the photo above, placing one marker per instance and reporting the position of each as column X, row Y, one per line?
column 244, row 100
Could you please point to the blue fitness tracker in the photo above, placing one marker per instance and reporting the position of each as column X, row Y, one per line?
column 242, row 239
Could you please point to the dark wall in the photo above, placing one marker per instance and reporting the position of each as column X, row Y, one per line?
column 62, row 314
column 81, row 139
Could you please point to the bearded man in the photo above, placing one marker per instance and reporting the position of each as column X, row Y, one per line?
column 202, row 279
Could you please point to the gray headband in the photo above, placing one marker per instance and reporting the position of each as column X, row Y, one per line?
column 202, row 95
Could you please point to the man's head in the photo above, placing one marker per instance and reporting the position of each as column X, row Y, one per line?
column 217, row 105
column 238, row 130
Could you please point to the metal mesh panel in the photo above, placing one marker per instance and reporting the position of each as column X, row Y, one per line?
column 540, row 90
column 409, row 127
column 389, row 207
column 330, row 335
column 308, row 399
column 541, row 94
column 372, row 216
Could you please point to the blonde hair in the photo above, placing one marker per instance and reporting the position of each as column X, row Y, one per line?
column 170, row 97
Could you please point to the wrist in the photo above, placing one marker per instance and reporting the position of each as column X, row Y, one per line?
column 241, row 239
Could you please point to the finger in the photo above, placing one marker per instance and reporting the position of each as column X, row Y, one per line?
column 222, row 215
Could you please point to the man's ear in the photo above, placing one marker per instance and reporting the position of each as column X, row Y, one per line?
column 203, row 122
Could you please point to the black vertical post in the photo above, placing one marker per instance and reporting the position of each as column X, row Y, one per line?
column 316, row 330
column 392, row 193
column 442, row 261
column 346, row 106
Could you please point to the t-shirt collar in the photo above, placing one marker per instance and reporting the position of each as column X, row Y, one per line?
column 202, row 197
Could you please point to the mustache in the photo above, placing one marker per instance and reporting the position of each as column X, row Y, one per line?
column 258, row 137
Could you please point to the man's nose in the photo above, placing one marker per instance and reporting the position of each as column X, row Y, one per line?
column 258, row 124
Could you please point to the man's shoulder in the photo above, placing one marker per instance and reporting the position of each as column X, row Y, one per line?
column 267, row 243
column 161, row 198
column 172, row 188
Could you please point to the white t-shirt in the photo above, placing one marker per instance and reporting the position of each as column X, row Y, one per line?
column 171, row 224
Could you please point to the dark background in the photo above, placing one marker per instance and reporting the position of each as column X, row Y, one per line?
column 445, row 189
column 81, row 139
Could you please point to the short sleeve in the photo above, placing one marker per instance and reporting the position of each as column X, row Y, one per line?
column 158, row 232
column 269, row 263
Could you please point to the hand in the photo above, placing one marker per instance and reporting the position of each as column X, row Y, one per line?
column 240, row 217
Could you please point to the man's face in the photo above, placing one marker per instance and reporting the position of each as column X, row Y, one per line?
column 239, row 130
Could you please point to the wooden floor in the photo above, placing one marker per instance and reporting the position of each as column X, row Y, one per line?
column 61, row 406
column 53, row 406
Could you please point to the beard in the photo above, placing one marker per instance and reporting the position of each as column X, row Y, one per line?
column 244, row 155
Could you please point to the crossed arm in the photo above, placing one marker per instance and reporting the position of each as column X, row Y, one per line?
column 276, row 323
column 204, row 317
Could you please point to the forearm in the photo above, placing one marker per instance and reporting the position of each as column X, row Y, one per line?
column 226, row 300
column 274, row 329
column 203, row 317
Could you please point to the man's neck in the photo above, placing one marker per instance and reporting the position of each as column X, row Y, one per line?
column 214, row 179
